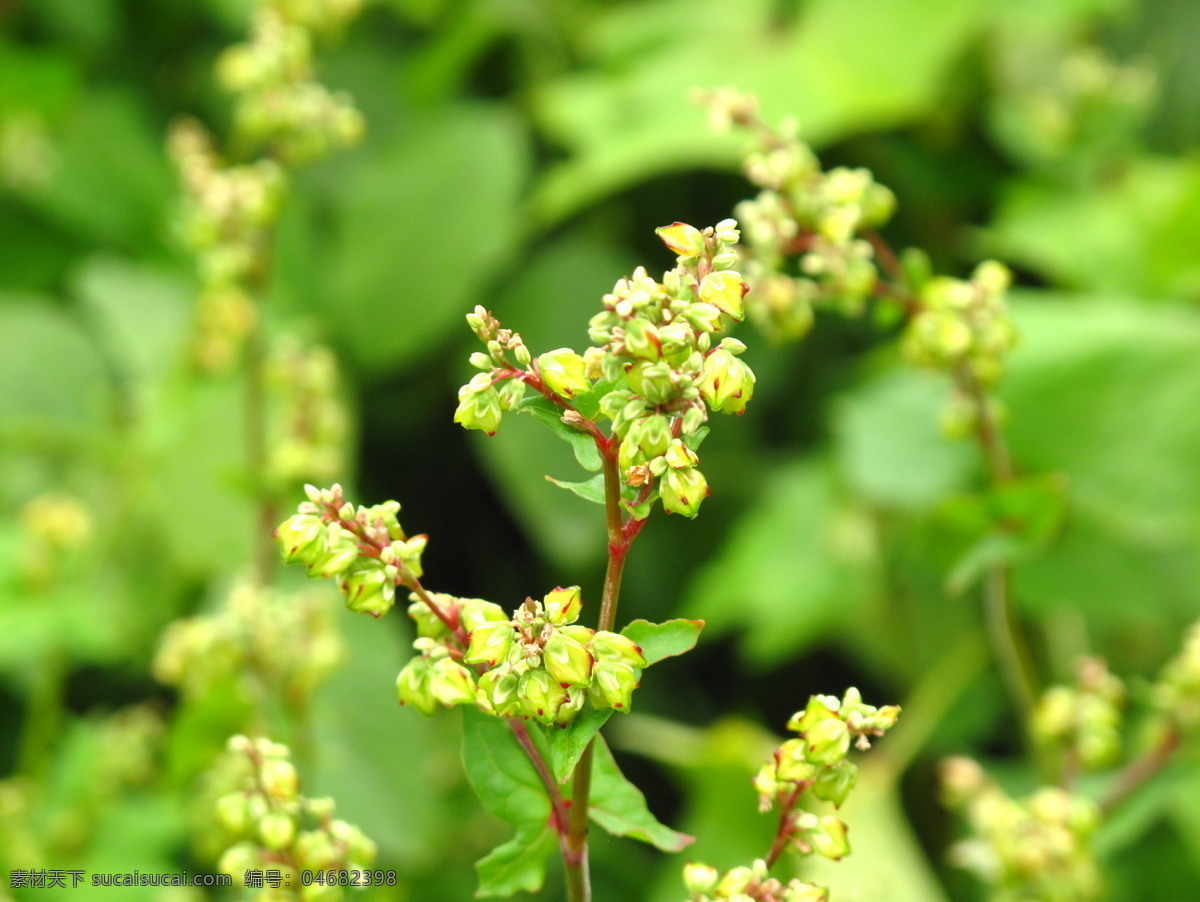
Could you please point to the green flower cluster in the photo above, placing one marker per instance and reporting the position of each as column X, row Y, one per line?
column 309, row 425
column 277, row 828
column 816, row 761
column 278, row 103
column 539, row 664
column 963, row 326
column 1177, row 691
column 655, row 370
column 747, row 884
column 230, row 209
column 55, row 529
column 228, row 215
column 1082, row 722
column 818, row 217
column 363, row 548
column 239, row 647
column 1033, row 848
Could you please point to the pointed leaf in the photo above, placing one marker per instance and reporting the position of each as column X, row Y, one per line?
column 590, row 490
column 567, row 744
column 550, row 414
column 620, row 808
column 517, row 866
column 663, row 640
column 499, row 771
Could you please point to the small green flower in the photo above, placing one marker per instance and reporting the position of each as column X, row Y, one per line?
column 683, row 491
column 564, row 372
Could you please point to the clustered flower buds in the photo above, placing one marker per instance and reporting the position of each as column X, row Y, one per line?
column 279, row 104
column 363, row 548
column 817, row 760
column 275, row 828
column 655, row 371
column 1082, row 723
column 55, row 527
column 1033, row 848
column 1176, row 693
column 964, row 324
column 308, row 421
column 539, row 664
column 230, row 210
column 747, row 884
column 239, row 645
column 815, row 216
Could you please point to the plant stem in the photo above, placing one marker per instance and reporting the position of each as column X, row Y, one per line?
column 1008, row 645
column 1141, row 770
column 620, row 538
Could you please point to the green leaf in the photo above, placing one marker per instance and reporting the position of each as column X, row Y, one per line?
column 518, row 865
column 52, row 380
column 1009, row 523
column 620, row 808
column 838, row 65
column 888, row 444
column 423, row 223
column 502, row 775
column 567, row 744
column 797, row 563
column 663, row 640
column 589, row 490
column 550, row 414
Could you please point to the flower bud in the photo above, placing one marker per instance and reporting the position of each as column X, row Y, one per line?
column 612, row 686
column 805, row 892
column 232, row 812
column 368, row 589
column 497, row 691
column 564, row 372
column 567, row 661
column 683, row 240
column 540, row 695
column 736, row 880
column 833, row 784
column 683, row 491
column 562, row 606
column 700, row 879
column 451, row 683
column 279, row 779
column 728, row 384
column 489, row 643
column 335, row 553
column 239, row 859
column 412, row 685
column 830, row 839
column 652, row 381
column 479, row 409
column 641, row 340
column 298, row 536
column 277, row 830
column 725, row 290
column 827, row 741
column 613, row 648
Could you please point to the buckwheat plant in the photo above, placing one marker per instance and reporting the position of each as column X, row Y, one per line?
column 812, row 240
column 536, row 683
column 815, row 763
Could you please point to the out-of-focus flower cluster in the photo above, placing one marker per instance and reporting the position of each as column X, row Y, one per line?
column 274, row 828
column 55, row 528
column 239, row 645
column 1038, row 847
column 747, row 884
column 283, row 118
column 1082, row 723
column 308, row 423
column 1177, row 691
column 656, row 370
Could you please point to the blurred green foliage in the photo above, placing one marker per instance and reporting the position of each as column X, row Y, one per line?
column 519, row 154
